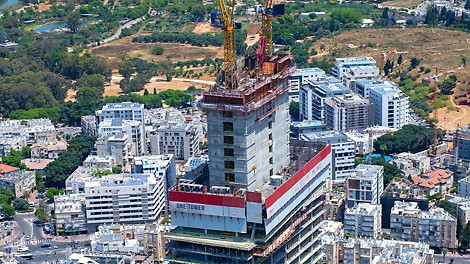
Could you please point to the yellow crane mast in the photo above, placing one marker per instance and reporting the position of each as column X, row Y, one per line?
column 228, row 27
column 267, row 26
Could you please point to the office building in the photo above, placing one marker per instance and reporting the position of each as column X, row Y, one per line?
column 69, row 212
column 300, row 76
column 312, row 97
column 347, row 112
column 266, row 192
column 366, row 186
column 435, row 227
column 461, row 144
column 128, row 115
column 124, row 198
column 349, row 66
column 363, row 220
column 343, row 151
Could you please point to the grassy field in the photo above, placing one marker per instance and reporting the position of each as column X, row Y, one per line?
column 437, row 49
column 403, row 3
column 117, row 50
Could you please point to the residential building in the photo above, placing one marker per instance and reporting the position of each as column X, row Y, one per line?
column 343, row 151
column 265, row 199
column 464, row 187
column 75, row 183
column 99, row 161
column 133, row 130
column 37, row 165
column 344, row 65
column 171, row 132
column 353, row 74
column 300, row 76
column 49, row 149
column 391, row 106
column 298, row 128
column 461, row 143
column 435, row 227
column 366, row 186
column 335, row 202
column 313, row 94
column 400, row 189
column 436, row 181
column 9, row 142
column 128, row 115
column 364, row 140
column 7, row 170
column 116, row 146
column 124, row 198
column 412, row 164
column 34, row 130
column 347, row 112
column 21, row 183
column 461, row 205
column 89, row 257
column 374, row 251
column 69, row 211
column 107, row 240
column 89, row 125
column 363, row 220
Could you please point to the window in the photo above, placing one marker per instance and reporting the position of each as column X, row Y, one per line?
column 228, row 140
column 229, row 164
column 271, row 160
column 270, row 137
column 270, row 149
column 270, row 125
column 230, row 177
column 227, row 114
column 228, row 127
column 228, row 152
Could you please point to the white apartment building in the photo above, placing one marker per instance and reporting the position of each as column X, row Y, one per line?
column 345, row 65
column 374, row 251
column 128, row 115
column 70, row 214
column 366, row 186
column 363, row 220
column 300, row 76
column 435, row 227
column 347, row 112
column 88, row 125
column 116, row 146
column 75, row 183
column 180, row 139
column 464, row 187
column 343, row 151
column 33, row 130
column 124, row 198
column 356, row 73
column 9, row 142
column 312, row 96
column 107, row 240
column 461, row 205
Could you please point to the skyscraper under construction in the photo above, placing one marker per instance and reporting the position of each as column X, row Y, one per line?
column 264, row 202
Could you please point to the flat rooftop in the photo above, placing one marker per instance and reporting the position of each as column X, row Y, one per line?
column 355, row 60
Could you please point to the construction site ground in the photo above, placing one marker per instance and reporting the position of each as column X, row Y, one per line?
column 436, row 48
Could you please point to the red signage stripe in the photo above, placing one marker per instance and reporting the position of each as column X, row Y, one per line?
column 209, row 199
column 254, row 197
column 297, row 176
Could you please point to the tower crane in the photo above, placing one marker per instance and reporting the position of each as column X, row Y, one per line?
column 227, row 24
column 269, row 10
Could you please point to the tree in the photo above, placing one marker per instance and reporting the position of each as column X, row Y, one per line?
column 464, row 58
column 414, row 62
column 20, row 204
column 41, row 215
column 467, row 4
column 400, row 60
column 73, row 22
column 294, row 110
column 116, row 170
column 384, row 18
column 157, row 50
column 8, row 210
column 154, row 90
column 447, row 86
column 89, row 94
column 52, row 192
column 387, row 67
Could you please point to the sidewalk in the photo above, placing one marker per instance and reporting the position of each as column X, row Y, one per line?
column 15, row 233
column 71, row 238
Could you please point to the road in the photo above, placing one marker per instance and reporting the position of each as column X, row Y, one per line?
column 117, row 33
column 457, row 259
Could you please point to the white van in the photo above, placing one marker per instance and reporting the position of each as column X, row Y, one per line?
column 22, row 249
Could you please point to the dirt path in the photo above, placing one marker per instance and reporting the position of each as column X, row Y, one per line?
column 203, row 28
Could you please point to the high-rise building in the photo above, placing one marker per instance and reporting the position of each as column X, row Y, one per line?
column 363, row 220
column 300, row 76
column 436, row 227
column 313, row 94
column 345, row 65
column 130, row 117
column 347, row 112
column 343, row 151
column 265, row 200
column 462, row 144
column 366, row 186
